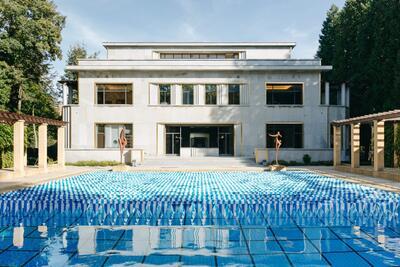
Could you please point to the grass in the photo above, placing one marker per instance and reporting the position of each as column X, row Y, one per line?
column 94, row 163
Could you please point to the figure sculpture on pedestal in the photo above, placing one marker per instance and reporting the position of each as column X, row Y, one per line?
column 122, row 142
column 278, row 142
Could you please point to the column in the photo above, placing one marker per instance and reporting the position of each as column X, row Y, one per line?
column 395, row 157
column 379, row 145
column 343, row 94
column 348, row 97
column 178, row 94
column 65, row 91
column 337, row 145
column 19, row 147
column 61, row 146
column 327, row 93
column 43, row 146
column 161, row 139
column 355, row 145
column 224, row 94
column 202, row 94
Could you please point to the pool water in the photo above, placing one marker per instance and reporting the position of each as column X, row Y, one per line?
column 290, row 218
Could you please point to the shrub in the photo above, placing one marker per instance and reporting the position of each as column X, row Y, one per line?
column 307, row 159
column 397, row 144
column 93, row 163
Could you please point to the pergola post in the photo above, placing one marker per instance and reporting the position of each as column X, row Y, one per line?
column 379, row 145
column 355, row 145
column 396, row 126
column 337, row 145
column 43, row 146
column 18, row 153
column 61, row 146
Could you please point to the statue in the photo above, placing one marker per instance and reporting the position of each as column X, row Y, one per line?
column 122, row 142
column 278, row 142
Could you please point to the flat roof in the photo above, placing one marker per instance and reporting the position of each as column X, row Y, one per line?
column 199, row 44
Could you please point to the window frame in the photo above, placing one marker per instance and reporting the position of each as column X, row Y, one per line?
column 183, row 94
column 159, row 94
column 285, row 123
column 96, row 124
column 96, row 86
column 229, row 98
column 282, row 83
column 216, row 94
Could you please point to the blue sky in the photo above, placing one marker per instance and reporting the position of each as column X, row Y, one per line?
column 94, row 21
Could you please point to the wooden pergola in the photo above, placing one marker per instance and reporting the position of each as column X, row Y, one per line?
column 18, row 121
column 378, row 121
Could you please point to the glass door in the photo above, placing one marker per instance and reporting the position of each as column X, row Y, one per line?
column 173, row 141
column 225, row 140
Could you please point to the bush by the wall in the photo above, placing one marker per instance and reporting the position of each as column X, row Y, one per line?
column 94, row 163
column 396, row 146
column 6, row 159
column 306, row 159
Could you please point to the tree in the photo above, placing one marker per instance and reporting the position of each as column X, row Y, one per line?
column 30, row 37
column 75, row 52
column 327, row 38
column 362, row 43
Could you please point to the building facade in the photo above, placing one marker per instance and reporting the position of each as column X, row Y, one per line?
column 201, row 99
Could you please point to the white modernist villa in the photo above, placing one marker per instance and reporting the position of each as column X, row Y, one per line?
column 201, row 99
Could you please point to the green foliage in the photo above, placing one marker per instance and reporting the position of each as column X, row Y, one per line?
column 389, row 147
column 396, row 146
column 76, row 52
column 94, row 163
column 306, row 159
column 362, row 42
column 30, row 37
column 6, row 159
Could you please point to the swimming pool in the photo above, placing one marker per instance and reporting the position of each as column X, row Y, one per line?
column 200, row 218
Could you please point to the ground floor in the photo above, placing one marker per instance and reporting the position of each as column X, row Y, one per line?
column 188, row 140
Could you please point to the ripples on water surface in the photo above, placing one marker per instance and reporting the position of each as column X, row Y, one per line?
column 204, row 218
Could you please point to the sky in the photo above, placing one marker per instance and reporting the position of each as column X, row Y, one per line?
column 92, row 22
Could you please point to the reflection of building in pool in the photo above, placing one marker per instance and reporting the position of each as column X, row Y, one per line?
column 145, row 240
column 179, row 98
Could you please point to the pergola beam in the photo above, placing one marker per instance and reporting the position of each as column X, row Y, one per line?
column 11, row 118
column 389, row 115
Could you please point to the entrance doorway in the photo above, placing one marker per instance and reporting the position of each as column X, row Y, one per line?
column 217, row 139
column 173, row 140
column 225, row 141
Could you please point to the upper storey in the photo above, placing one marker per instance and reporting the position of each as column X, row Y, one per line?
column 198, row 50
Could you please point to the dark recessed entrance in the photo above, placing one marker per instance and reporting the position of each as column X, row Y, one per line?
column 195, row 136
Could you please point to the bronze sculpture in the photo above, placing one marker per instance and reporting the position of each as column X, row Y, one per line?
column 122, row 142
column 278, row 143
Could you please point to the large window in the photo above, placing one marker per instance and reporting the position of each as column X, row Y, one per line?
column 211, row 94
column 234, row 94
column 187, row 94
column 108, row 135
column 114, row 94
column 284, row 94
column 292, row 135
column 165, row 94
